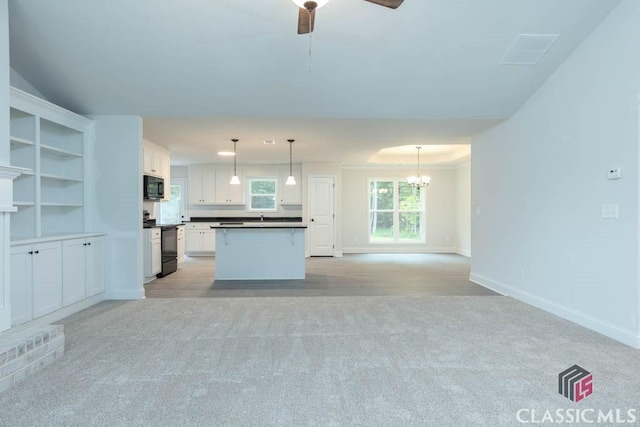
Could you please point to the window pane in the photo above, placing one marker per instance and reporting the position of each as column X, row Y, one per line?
column 263, row 187
column 408, row 197
column 381, row 226
column 409, row 225
column 170, row 211
column 381, row 195
column 263, row 202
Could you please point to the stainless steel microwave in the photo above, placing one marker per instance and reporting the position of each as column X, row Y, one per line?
column 153, row 188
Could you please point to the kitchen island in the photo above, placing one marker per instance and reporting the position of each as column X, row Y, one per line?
column 260, row 251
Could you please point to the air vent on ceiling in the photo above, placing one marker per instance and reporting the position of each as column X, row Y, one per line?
column 268, row 142
column 527, row 49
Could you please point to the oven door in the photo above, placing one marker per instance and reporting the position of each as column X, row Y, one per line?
column 169, row 243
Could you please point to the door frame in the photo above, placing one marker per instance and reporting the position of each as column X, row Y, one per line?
column 308, row 240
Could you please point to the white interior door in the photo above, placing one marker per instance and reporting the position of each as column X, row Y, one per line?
column 321, row 216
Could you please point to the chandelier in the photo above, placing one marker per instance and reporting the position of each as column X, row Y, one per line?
column 418, row 181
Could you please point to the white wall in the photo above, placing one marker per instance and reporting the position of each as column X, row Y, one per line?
column 5, row 194
column 539, row 180
column 441, row 217
column 117, row 211
column 4, row 82
column 19, row 82
column 463, row 210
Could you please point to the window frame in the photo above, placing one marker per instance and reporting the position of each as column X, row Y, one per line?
column 250, row 194
column 396, row 211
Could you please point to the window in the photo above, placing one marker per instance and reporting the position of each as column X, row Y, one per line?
column 170, row 212
column 396, row 212
column 262, row 194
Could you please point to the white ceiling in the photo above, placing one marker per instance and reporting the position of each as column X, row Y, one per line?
column 204, row 71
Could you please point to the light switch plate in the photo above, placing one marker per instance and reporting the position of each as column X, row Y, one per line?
column 610, row 211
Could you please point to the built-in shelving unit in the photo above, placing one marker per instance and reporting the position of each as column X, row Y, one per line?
column 49, row 143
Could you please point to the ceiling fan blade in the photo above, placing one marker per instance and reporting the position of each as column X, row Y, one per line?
column 393, row 4
column 306, row 20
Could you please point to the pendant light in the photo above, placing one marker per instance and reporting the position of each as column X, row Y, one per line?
column 418, row 181
column 234, row 179
column 290, row 179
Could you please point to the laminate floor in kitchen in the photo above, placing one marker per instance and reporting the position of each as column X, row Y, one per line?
column 351, row 275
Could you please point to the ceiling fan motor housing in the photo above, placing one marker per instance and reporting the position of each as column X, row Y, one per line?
column 310, row 5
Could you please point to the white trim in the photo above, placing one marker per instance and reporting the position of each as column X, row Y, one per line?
column 463, row 253
column 338, row 254
column 125, row 295
column 5, row 317
column 625, row 336
column 637, row 317
column 61, row 313
column 398, row 250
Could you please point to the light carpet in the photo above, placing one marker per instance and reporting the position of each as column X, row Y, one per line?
column 374, row 361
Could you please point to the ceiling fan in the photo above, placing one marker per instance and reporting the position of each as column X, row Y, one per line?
column 307, row 11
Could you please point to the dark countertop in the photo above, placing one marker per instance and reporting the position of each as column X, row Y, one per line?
column 262, row 225
column 247, row 219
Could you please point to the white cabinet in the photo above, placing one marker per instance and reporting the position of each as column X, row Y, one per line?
column 290, row 194
column 152, row 252
column 226, row 193
column 36, row 280
column 202, row 187
column 82, row 268
column 50, row 143
column 156, row 161
column 153, row 161
column 200, row 239
column 181, row 246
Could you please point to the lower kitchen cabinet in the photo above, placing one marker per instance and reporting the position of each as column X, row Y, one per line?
column 200, row 239
column 181, row 245
column 36, row 280
column 152, row 252
column 49, row 275
column 82, row 269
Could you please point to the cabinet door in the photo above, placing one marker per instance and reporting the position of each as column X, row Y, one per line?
column 193, row 240
column 47, row 278
column 222, row 186
column 74, row 271
column 21, row 291
column 95, row 256
column 227, row 194
column 147, row 161
column 180, row 246
column 156, row 256
column 208, row 240
column 208, row 187
column 195, row 188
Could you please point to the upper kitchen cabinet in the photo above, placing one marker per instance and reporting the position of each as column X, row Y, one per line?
column 202, row 187
column 226, row 193
column 156, row 162
column 290, row 194
column 49, row 142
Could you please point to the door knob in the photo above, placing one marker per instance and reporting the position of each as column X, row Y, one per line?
column 312, row 220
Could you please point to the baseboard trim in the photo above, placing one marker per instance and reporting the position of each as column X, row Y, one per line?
column 463, row 253
column 398, row 250
column 61, row 313
column 125, row 295
column 5, row 318
column 338, row 254
column 625, row 336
